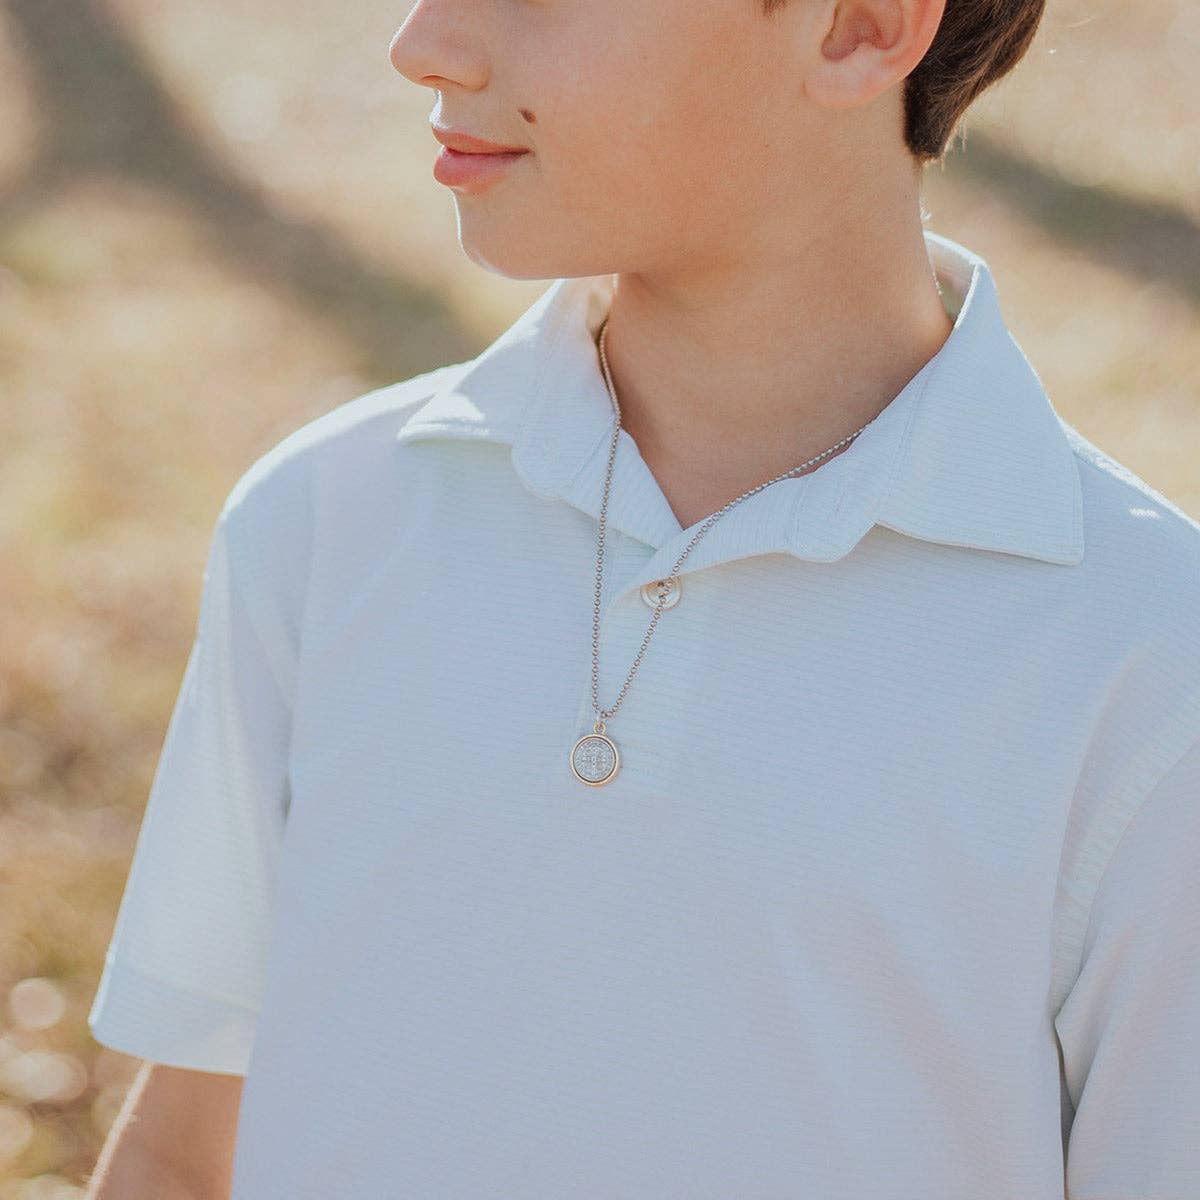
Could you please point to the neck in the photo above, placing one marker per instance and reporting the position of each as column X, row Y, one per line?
column 741, row 374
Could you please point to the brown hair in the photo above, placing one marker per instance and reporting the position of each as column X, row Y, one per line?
column 977, row 42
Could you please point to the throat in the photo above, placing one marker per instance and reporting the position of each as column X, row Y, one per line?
column 696, row 487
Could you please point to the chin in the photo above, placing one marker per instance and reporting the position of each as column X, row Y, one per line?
column 513, row 259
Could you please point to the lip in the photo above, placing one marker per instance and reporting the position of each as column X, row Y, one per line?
column 466, row 143
column 471, row 172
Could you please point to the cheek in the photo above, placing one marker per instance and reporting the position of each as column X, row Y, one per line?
column 636, row 127
column 592, row 133
column 629, row 166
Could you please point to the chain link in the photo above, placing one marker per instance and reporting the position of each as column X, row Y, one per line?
column 603, row 714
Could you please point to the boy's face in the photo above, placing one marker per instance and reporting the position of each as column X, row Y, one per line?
column 663, row 131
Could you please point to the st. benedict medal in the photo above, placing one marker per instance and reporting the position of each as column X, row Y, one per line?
column 594, row 758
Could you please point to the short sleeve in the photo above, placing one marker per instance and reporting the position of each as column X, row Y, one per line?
column 1130, row 1027
column 184, row 971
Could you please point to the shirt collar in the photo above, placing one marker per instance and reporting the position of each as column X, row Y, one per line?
column 970, row 452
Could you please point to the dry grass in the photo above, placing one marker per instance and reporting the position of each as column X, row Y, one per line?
column 146, row 359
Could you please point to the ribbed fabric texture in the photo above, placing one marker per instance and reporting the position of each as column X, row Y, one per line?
column 894, row 893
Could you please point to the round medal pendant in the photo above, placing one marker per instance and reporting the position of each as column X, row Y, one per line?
column 594, row 759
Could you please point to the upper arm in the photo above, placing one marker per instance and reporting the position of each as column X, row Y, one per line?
column 189, row 1118
column 1130, row 1026
column 175, row 1135
column 185, row 968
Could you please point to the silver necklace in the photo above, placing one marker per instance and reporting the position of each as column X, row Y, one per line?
column 594, row 757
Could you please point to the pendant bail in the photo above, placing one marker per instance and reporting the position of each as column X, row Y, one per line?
column 598, row 726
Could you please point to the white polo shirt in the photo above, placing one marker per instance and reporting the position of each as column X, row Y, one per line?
column 908, row 805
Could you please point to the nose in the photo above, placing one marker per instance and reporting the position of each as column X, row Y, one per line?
column 400, row 52
column 434, row 47
column 409, row 52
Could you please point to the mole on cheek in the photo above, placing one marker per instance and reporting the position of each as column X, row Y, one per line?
column 528, row 115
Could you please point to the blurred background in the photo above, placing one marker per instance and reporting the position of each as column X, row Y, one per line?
column 218, row 221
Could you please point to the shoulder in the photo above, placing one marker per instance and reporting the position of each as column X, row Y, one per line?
column 1136, row 605
column 346, row 438
column 1133, row 611
column 1143, row 544
column 268, row 524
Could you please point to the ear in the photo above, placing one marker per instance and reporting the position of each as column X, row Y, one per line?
column 868, row 46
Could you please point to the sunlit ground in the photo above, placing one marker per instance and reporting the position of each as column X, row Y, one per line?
column 174, row 302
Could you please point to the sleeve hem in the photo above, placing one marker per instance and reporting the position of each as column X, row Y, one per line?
column 145, row 1017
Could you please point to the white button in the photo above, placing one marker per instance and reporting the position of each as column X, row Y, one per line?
column 673, row 588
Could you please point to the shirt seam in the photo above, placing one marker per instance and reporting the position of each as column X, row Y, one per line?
column 1138, row 809
column 242, row 595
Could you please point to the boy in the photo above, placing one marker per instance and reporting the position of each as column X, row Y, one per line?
column 857, row 858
